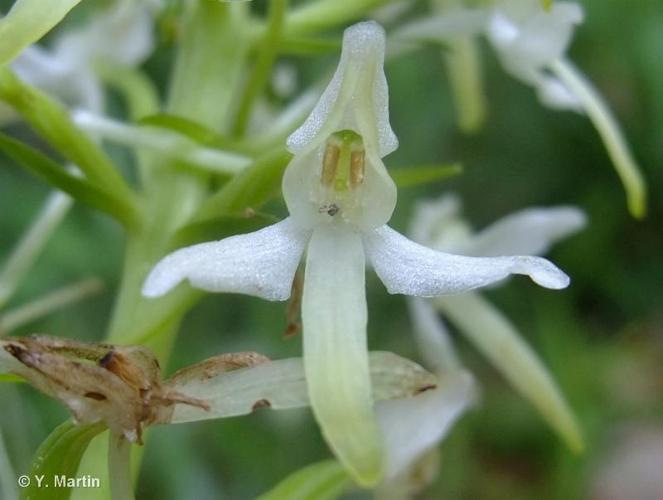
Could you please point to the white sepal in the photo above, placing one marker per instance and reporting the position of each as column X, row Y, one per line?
column 531, row 231
column 412, row 426
column 357, row 97
column 412, row 269
column 262, row 263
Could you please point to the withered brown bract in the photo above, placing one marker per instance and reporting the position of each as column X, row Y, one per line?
column 118, row 385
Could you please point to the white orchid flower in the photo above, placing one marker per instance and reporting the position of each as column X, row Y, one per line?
column 120, row 35
column 531, row 40
column 533, row 230
column 340, row 197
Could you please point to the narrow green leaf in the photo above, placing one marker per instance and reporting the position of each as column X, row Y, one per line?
column 52, row 121
column 320, row 481
column 59, row 455
column 81, row 189
column 425, row 174
column 8, row 377
column 251, row 188
column 26, row 22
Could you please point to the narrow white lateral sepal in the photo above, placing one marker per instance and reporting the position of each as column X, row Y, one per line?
column 335, row 352
column 499, row 341
column 262, row 263
column 412, row 269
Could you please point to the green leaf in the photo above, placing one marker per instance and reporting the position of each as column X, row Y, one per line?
column 321, row 481
column 251, row 188
column 26, row 22
column 9, row 377
column 425, row 174
column 79, row 188
column 60, row 454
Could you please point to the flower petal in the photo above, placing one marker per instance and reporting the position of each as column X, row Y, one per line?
column 433, row 339
column 121, row 34
column 499, row 341
column 335, row 354
column 530, row 231
column 359, row 80
column 527, row 37
column 262, row 263
column 411, row 426
column 412, row 269
column 281, row 385
column 442, row 27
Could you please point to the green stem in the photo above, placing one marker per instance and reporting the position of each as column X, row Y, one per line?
column 261, row 71
column 52, row 122
column 207, row 71
column 119, row 467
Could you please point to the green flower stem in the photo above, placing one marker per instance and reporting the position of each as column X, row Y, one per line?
column 52, row 121
column 261, row 71
column 613, row 138
column 206, row 76
column 119, row 467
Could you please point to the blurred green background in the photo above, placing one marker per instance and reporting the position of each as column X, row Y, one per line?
column 602, row 338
